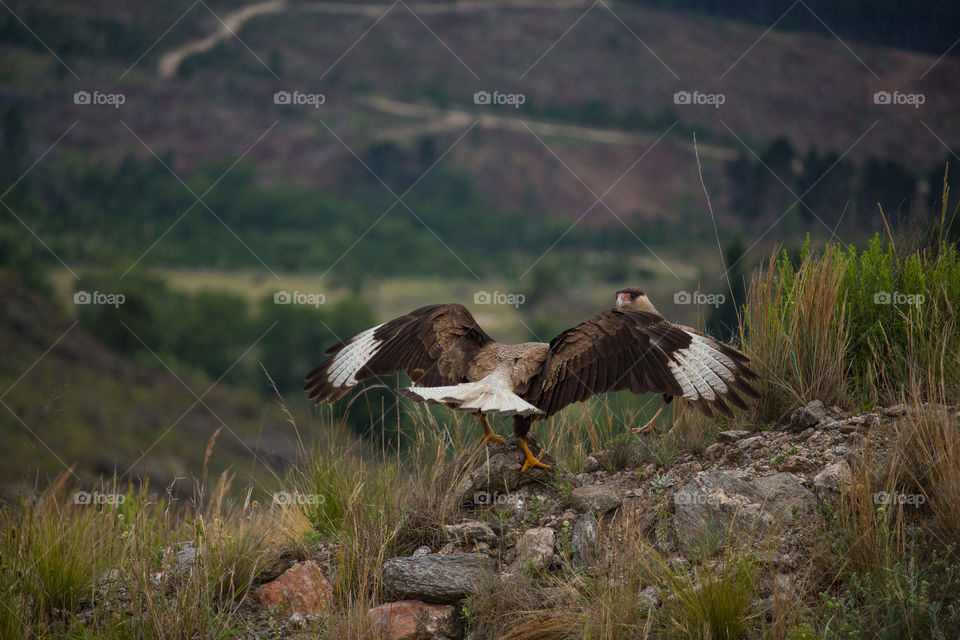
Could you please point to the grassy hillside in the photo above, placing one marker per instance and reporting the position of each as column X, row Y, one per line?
column 70, row 402
column 865, row 568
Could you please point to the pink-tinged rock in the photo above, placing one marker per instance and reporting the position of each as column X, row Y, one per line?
column 416, row 620
column 300, row 589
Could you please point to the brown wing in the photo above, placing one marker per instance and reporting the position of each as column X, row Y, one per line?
column 616, row 350
column 433, row 345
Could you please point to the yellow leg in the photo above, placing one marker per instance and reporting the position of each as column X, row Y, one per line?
column 650, row 426
column 488, row 434
column 531, row 461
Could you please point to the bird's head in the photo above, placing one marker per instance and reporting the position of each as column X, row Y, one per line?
column 634, row 299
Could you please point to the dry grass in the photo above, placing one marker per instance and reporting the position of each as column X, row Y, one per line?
column 880, row 570
column 795, row 334
column 67, row 567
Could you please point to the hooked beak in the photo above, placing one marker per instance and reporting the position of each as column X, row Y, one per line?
column 621, row 300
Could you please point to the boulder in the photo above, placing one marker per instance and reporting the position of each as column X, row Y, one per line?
column 415, row 620
column 809, row 415
column 300, row 589
column 720, row 501
column 535, row 547
column 436, row 578
column 596, row 498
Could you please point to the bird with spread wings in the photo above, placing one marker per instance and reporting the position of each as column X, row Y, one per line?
column 452, row 361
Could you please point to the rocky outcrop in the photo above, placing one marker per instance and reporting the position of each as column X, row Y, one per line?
column 722, row 501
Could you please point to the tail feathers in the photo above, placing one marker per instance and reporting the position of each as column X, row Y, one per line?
column 473, row 397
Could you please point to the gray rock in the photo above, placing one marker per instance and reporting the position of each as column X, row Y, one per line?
column 495, row 471
column 591, row 464
column 860, row 423
column 713, row 450
column 650, row 597
column 776, row 559
column 732, row 435
column 297, row 621
column 436, row 578
column 750, row 443
column 470, row 532
column 109, row 576
column 584, row 540
column 596, row 498
column 187, row 554
column 832, row 476
column 798, row 464
column 535, row 547
column 716, row 502
column 895, row 411
column 809, row 415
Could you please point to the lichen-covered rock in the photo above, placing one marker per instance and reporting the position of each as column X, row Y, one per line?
column 535, row 547
column 583, row 541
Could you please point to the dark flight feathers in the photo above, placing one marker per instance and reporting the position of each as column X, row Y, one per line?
column 433, row 345
column 615, row 350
